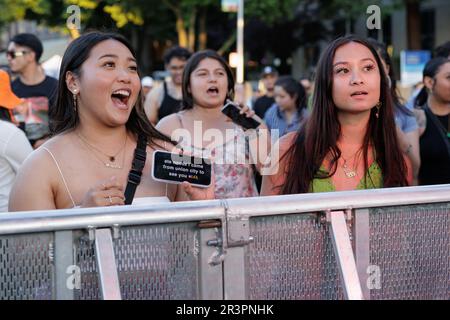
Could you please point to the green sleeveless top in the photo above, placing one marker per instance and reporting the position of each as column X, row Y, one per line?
column 373, row 180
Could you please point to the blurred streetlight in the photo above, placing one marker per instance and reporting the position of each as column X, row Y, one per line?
column 233, row 59
column 236, row 59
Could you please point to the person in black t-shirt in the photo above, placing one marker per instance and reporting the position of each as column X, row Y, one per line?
column 262, row 104
column 38, row 89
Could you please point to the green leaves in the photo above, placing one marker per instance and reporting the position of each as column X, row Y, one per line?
column 271, row 11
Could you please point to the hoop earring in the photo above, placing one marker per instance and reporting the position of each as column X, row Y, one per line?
column 378, row 106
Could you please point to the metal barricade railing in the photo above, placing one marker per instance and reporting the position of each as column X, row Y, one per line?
column 372, row 244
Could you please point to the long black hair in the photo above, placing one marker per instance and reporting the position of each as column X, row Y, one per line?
column 192, row 64
column 319, row 136
column 382, row 51
column 431, row 69
column 64, row 116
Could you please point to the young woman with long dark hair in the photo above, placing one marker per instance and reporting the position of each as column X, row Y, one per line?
column 433, row 113
column 349, row 141
column 96, row 122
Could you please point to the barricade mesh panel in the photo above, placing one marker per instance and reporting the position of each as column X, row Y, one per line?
column 26, row 267
column 154, row 262
column 411, row 247
column 292, row 257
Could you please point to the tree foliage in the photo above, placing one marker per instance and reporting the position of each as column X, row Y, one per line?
column 279, row 26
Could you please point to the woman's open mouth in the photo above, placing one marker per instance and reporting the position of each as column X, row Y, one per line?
column 120, row 98
column 213, row 91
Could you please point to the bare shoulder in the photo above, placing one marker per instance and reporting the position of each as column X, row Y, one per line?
column 41, row 158
column 168, row 124
column 36, row 180
column 155, row 96
column 286, row 142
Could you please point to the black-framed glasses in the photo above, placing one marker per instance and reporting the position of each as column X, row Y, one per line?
column 15, row 54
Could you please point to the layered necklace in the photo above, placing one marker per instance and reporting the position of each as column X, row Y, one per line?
column 111, row 158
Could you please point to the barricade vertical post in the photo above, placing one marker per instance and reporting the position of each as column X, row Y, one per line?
column 64, row 260
column 362, row 248
column 235, row 269
column 106, row 265
column 234, row 274
column 344, row 255
column 211, row 280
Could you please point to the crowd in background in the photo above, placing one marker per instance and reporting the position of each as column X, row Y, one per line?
column 344, row 128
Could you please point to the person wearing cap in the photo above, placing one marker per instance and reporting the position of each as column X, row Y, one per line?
column 147, row 85
column 166, row 99
column 14, row 146
column 268, row 77
column 8, row 100
column 32, row 84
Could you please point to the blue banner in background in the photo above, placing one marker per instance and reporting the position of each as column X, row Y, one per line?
column 412, row 64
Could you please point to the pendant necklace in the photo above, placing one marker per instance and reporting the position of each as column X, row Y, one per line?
column 350, row 173
column 111, row 158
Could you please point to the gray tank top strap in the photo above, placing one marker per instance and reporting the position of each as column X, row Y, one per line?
column 61, row 174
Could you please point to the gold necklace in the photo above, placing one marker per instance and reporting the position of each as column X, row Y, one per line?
column 350, row 173
column 111, row 158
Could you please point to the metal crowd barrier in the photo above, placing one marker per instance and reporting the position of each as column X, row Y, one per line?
column 371, row 244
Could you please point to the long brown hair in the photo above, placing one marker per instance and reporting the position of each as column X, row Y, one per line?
column 319, row 136
column 63, row 115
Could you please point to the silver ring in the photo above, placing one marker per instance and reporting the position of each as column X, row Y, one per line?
column 110, row 200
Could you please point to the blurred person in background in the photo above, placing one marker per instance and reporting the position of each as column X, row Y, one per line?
column 38, row 89
column 268, row 77
column 147, row 86
column 441, row 51
column 433, row 118
column 8, row 100
column 166, row 99
column 307, row 84
column 309, row 88
column 407, row 129
column 289, row 110
column 14, row 146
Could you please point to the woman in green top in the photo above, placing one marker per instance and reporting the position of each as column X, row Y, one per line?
column 349, row 141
